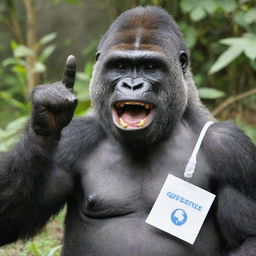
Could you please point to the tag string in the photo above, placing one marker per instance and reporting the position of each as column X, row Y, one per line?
column 191, row 165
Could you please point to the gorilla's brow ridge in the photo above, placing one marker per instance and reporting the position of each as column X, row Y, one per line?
column 136, row 55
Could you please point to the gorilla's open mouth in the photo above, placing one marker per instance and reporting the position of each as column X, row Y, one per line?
column 132, row 114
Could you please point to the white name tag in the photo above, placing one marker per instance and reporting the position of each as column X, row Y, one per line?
column 180, row 209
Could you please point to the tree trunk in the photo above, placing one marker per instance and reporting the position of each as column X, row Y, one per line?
column 32, row 75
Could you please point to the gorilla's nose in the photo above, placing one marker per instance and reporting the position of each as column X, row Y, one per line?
column 128, row 84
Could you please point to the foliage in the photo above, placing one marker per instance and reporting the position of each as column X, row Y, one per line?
column 10, row 135
column 18, row 62
column 237, row 46
column 48, row 243
column 239, row 18
column 248, row 129
column 82, row 90
column 16, row 96
column 210, row 93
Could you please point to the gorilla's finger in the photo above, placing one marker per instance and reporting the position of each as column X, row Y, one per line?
column 69, row 74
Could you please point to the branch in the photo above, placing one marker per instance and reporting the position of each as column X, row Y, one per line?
column 12, row 22
column 231, row 100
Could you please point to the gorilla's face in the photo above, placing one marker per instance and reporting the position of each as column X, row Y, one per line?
column 138, row 89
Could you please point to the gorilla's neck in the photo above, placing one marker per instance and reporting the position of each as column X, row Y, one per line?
column 195, row 113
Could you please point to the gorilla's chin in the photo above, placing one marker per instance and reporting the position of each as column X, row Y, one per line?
column 134, row 138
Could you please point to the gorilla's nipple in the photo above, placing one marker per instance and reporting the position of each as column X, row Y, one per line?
column 91, row 201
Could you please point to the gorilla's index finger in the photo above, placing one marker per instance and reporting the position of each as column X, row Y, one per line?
column 69, row 72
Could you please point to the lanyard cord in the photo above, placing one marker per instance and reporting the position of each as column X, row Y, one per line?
column 191, row 165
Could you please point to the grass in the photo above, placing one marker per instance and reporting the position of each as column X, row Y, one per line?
column 47, row 243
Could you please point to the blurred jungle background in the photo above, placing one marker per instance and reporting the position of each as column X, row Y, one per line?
column 36, row 36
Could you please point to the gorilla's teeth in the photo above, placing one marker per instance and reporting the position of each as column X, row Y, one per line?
column 141, row 123
column 146, row 106
column 134, row 103
column 122, row 123
column 122, row 104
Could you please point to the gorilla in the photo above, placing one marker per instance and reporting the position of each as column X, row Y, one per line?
column 109, row 166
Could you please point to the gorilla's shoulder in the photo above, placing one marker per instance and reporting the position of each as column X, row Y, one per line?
column 78, row 138
column 224, row 134
column 231, row 154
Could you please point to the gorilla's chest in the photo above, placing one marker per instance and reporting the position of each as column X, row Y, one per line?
column 116, row 183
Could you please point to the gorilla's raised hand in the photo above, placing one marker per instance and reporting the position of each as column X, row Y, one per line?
column 54, row 104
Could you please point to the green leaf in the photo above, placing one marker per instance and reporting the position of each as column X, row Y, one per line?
column 240, row 20
column 13, row 44
column 46, row 53
column 10, row 136
column 198, row 14
column 210, row 93
column 48, row 38
column 53, row 250
column 250, row 51
column 226, row 57
column 84, row 112
column 22, row 51
column 210, row 6
column 190, row 36
column 82, row 76
column 35, row 250
column 39, row 67
column 250, row 45
column 247, row 42
column 250, row 16
column 17, row 124
column 13, row 61
column 228, row 5
column 187, row 5
column 232, row 41
column 88, row 68
column 8, row 97
column 18, row 69
column 7, row 144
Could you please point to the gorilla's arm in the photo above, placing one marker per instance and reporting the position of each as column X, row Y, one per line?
column 233, row 158
column 32, row 187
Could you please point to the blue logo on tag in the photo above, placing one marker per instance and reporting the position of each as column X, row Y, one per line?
column 179, row 217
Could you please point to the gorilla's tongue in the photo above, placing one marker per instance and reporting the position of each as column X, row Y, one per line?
column 132, row 116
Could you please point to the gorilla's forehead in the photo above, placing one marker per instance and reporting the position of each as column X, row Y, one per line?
column 143, row 29
column 138, row 39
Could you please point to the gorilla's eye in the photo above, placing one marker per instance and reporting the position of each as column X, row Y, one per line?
column 183, row 61
column 120, row 66
column 150, row 66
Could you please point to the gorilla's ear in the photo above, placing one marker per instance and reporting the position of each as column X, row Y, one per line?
column 97, row 56
column 183, row 61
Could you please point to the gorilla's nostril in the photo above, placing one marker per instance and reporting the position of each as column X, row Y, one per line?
column 138, row 86
column 132, row 87
column 127, row 86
